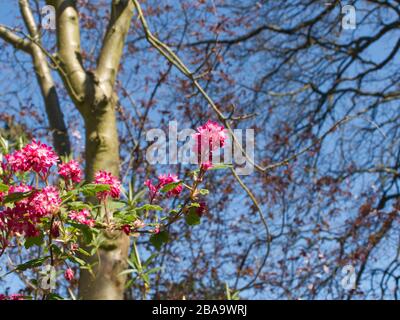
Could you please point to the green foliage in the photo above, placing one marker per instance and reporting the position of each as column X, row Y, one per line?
column 158, row 239
column 192, row 218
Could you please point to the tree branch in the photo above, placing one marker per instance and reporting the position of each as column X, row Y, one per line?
column 18, row 43
column 113, row 43
column 69, row 50
column 47, row 85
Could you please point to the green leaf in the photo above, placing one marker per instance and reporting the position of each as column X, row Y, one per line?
column 84, row 252
column 150, row 259
column 3, row 187
column 219, row 166
column 204, row 192
column 91, row 189
column 77, row 260
column 31, row 264
column 4, row 145
column 33, row 241
column 149, row 207
column 115, row 205
column 54, row 296
column 86, row 231
column 126, row 216
column 170, row 186
column 153, row 270
column 17, row 196
column 157, row 240
column 79, row 205
column 192, row 218
column 127, row 271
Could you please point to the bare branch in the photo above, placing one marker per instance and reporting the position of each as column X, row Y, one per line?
column 12, row 38
column 113, row 43
column 47, row 85
column 69, row 50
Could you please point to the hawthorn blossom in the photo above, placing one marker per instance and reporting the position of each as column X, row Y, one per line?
column 39, row 157
column 69, row 274
column 70, row 171
column 208, row 138
column 82, row 217
column 45, row 202
column 104, row 177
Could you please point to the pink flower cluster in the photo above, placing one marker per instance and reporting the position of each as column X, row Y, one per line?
column 69, row 274
column 45, row 202
column 16, row 296
column 163, row 180
column 208, row 138
column 70, row 171
column 35, row 156
column 104, row 177
column 23, row 217
column 82, row 217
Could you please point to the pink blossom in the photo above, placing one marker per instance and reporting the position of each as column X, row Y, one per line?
column 55, row 229
column 103, row 177
column 17, row 161
column 206, row 165
column 15, row 296
column 39, row 156
column 156, row 230
column 137, row 224
column 70, row 171
column 20, row 189
column 126, row 228
column 45, row 202
column 16, row 221
column 167, row 179
column 69, row 274
column 201, row 209
column 163, row 180
column 82, row 217
column 152, row 188
column 208, row 138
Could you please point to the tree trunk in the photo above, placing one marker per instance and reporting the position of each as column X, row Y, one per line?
column 102, row 153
